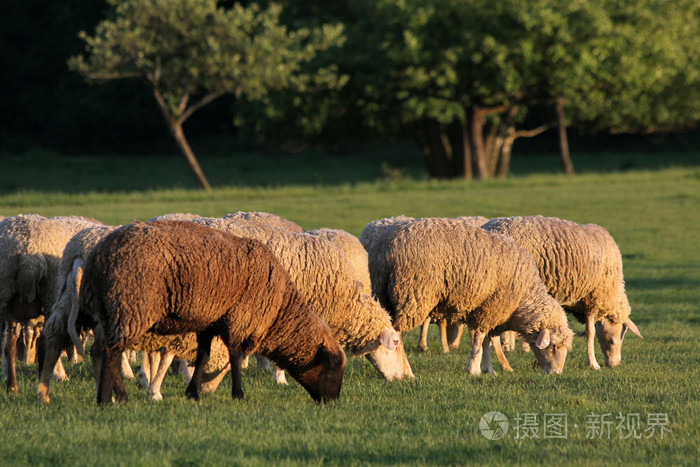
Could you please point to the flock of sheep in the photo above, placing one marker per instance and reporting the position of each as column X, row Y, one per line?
column 209, row 292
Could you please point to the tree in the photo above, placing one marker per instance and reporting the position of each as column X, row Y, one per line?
column 192, row 52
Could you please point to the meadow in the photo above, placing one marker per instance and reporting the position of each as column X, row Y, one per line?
column 644, row 412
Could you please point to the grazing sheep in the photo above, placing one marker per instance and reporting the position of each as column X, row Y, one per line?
column 581, row 267
column 173, row 277
column 353, row 250
column 456, row 271
column 375, row 237
column 265, row 219
column 61, row 327
column 30, row 252
column 326, row 279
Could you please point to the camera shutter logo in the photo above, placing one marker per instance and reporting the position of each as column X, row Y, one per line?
column 493, row 425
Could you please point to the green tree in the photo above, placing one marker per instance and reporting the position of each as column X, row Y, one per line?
column 462, row 77
column 192, row 52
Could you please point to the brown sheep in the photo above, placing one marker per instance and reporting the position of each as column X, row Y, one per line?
column 173, row 277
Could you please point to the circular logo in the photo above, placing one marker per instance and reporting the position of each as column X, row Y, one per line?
column 493, row 425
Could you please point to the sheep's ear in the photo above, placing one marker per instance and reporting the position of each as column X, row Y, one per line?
column 389, row 338
column 329, row 359
column 628, row 324
column 543, row 339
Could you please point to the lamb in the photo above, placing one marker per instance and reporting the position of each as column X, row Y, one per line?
column 327, row 281
column 61, row 328
column 461, row 272
column 30, row 252
column 266, row 220
column 174, row 277
column 581, row 267
column 353, row 250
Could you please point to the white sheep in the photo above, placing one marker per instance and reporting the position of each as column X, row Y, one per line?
column 375, row 236
column 326, row 279
column 265, row 219
column 30, row 252
column 581, row 266
column 353, row 250
column 461, row 272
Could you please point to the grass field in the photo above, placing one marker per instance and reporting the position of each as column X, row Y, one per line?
column 651, row 207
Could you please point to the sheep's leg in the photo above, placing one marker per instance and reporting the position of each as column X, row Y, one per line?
column 10, row 355
column 49, row 347
column 423, row 340
column 154, row 393
column 407, row 372
column 154, row 364
column 29, row 335
column 486, row 365
column 144, row 378
column 186, row 370
column 236, row 357
column 454, row 342
column 126, row 366
column 590, row 338
column 203, row 350
column 279, row 376
column 110, row 377
column 213, row 383
column 500, row 356
column 263, row 362
column 443, row 335
column 474, row 364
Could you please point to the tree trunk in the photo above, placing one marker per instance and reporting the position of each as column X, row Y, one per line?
column 478, row 156
column 566, row 164
column 186, row 151
column 466, row 153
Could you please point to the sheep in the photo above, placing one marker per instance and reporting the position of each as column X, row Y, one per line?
column 326, row 279
column 353, row 250
column 30, row 251
column 174, row 277
column 265, row 219
column 61, row 327
column 379, row 232
column 461, row 272
column 581, row 266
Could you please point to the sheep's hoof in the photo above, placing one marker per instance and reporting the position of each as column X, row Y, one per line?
column 423, row 347
column 142, row 382
column 192, row 394
column 156, row 397
column 594, row 366
column 43, row 398
column 237, row 396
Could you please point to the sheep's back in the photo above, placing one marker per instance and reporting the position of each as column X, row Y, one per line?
column 176, row 277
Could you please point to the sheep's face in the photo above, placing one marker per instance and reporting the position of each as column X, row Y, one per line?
column 387, row 357
column 551, row 358
column 609, row 336
column 323, row 377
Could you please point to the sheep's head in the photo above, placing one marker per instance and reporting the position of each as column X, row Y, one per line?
column 323, row 377
column 610, row 336
column 551, row 347
column 387, row 357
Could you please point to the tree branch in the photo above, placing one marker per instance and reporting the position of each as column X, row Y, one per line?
column 199, row 104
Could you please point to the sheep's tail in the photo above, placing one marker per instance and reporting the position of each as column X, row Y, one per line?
column 74, row 280
column 31, row 269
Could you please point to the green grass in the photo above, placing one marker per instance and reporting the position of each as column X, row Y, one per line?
column 434, row 419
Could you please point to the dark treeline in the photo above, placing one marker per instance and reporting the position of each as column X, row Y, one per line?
column 462, row 80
